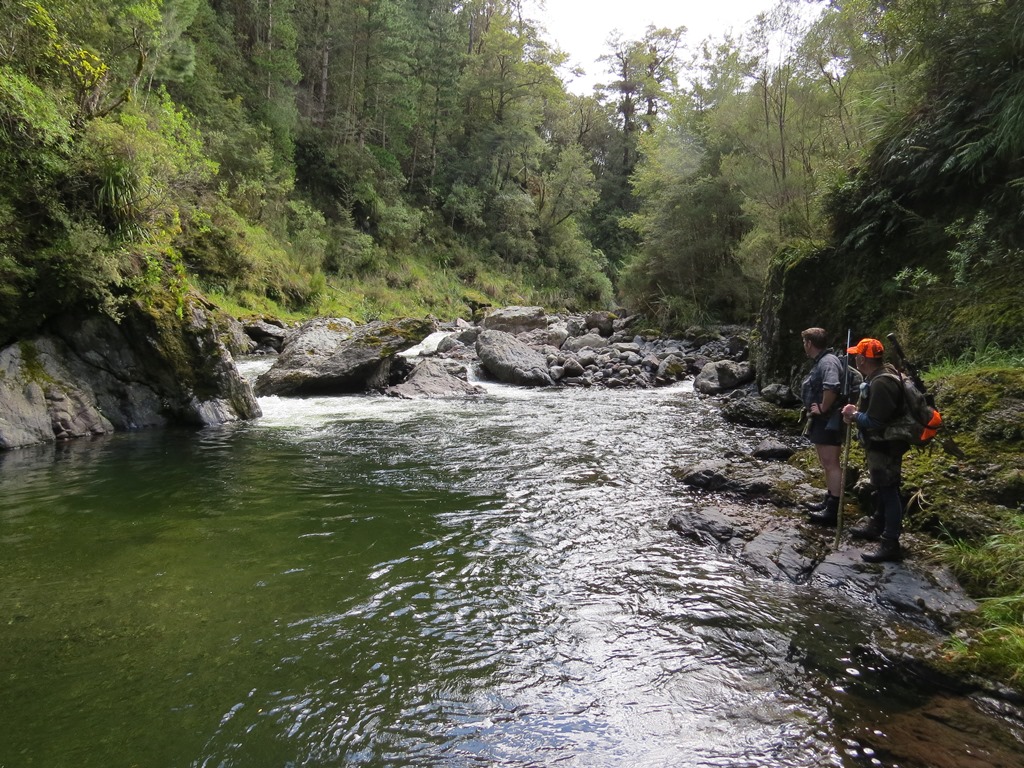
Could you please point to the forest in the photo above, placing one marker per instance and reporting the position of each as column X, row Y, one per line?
column 375, row 158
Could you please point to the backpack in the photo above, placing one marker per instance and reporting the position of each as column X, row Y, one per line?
column 918, row 421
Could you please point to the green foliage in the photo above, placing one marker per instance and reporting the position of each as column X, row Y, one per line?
column 979, row 357
column 690, row 226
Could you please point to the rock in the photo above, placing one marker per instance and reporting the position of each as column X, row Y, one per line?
column 592, row 340
column 721, row 375
column 780, row 546
column 779, row 551
column 234, row 336
column 755, row 412
column 553, row 336
column 90, row 375
column 602, row 322
column 906, row 587
column 433, row 378
column 266, row 335
column 780, row 483
column 737, row 347
column 515, row 320
column 573, row 367
column 771, row 448
column 780, row 394
column 699, row 336
column 708, row 526
column 329, row 356
column 510, row 361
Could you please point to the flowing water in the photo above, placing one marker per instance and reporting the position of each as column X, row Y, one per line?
column 366, row 581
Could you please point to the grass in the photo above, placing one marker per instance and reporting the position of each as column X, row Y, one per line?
column 990, row 356
column 412, row 285
column 977, row 512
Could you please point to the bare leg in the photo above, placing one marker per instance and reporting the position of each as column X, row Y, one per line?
column 829, row 457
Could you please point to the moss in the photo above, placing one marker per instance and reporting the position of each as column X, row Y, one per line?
column 179, row 343
column 32, row 365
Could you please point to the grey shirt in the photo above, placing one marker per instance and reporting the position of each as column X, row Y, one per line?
column 827, row 373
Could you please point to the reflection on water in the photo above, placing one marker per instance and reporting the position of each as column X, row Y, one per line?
column 373, row 581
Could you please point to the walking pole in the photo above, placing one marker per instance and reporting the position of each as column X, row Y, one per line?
column 848, row 435
column 842, row 488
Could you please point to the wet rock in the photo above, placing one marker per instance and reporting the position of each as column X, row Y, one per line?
column 756, row 412
column 721, row 375
column 770, row 448
column 907, row 587
column 787, row 547
column 776, row 552
column 511, row 361
column 433, row 378
column 89, row 375
column 708, row 526
column 779, row 483
column 332, row 356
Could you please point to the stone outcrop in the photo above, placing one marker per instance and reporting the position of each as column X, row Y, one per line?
column 434, row 378
column 718, row 376
column 331, row 356
column 780, row 545
column 334, row 356
column 515, row 320
column 92, row 375
column 511, row 361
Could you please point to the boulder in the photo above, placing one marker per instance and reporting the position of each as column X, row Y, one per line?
column 511, row 361
column 331, row 356
column 266, row 335
column 718, row 376
column 515, row 320
column 602, row 322
column 671, row 369
column 756, row 412
column 433, row 378
column 90, row 375
column 592, row 340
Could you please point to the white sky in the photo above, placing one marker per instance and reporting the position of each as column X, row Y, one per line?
column 582, row 27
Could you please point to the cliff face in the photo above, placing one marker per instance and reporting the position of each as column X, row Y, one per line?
column 869, row 293
column 90, row 375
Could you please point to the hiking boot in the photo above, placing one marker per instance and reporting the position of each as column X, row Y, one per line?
column 829, row 516
column 887, row 551
column 818, row 506
column 869, row 528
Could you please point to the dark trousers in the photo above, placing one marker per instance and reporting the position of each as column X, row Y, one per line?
column 885, row 468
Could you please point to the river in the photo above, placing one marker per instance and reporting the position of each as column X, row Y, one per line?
column 367, row 581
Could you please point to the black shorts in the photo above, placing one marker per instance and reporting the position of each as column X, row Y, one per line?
column 820, row 434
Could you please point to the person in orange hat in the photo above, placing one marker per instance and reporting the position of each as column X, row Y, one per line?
column 879, row 405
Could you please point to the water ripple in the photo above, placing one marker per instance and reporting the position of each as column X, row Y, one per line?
column 371, row 581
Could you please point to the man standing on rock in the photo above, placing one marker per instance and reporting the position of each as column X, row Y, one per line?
column 820, row 394
column 880, row 403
